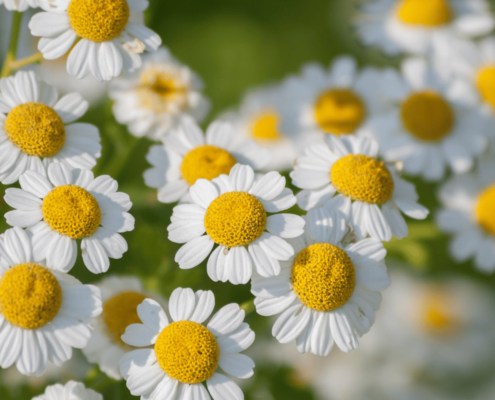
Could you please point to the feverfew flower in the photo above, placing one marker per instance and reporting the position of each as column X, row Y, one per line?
column 70, row 391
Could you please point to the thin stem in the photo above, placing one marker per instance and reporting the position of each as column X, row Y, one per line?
column 248, row 306
column 37, row 57
column 14, row 40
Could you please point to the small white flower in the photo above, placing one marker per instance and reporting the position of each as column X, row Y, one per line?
column 152, row 100
column 232, row 211
column 19, row 5
column 44, row 312
column 186, row 353
column 70, row 391
column 345, row 174
column 34, row 130
column 67, row 206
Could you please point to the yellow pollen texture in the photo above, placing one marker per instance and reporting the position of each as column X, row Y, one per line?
column 235, row 219
column 206, row 162
column 266, row 127
column 323, row 277
column 429, row 13
column 30, row 296
column 486, row 210
column 36, row 129
column 362, row 178
column 119, row 312
column 427, row 116
column 71, row 211
column 98, row 20
column 187, row 351
column 486, row 84
column 339, row 111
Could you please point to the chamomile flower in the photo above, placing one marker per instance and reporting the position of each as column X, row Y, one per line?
column 36, row 129
column 103, row 37
column 188, row 155
column 120, row 295
column 67, row 206
column 70, row 391
column 345, row 174
column 232, row 211
column 410, row 26
column 185, row 353
column 428, row 126
column 19, row 5
column 152, row 100
column 44, row 312
column 328, row 292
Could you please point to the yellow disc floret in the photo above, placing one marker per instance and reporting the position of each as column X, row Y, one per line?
column 266, row 127
column 437, row 316
column 71, row 211
column 486, row 84
column 486, row 210
column 98, row 20
column 362, row 178
column 187, row 351
column 36, row 129
column 206, row 162
column 323, row 277
column 30, row 296
column 339, row 111
column 235, row 219
column 427, row 116
column 429, row 13
column 119, row 312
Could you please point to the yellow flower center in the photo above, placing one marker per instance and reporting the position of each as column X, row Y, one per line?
column 30, row 296
column 486, row 84
column 119, row 312
column 206, row 162
column 486, row 210
column 187, row 351
column 436, row 315
column 429, row 13
column 266, row 127
column 71, row 211
column 362, row 178
column 235, row 219
column 36, row 129
column 339, row 111
column 427, row 116
column 323, row 277
column 98, row 20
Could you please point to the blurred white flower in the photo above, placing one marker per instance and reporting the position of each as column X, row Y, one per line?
column 70, row 391
column 19, row 5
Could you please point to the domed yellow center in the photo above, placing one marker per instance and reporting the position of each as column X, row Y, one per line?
column 362, row 178
column 427, row 116
column 428, row 13
column 266, row 127
column 486, row 84
column 36, row 129
column 30, row 296
column 323, row 277
column 119, row 312
column 206, row 162
column 98, row 20
column 486, row 210
column 235, row 219
column 187, row 351
column 71, row 211
column 339, row 111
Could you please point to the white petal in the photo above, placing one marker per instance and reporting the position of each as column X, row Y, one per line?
column 139, row 335
column 226, row 320
column 377, row 225
column 342, row 331
column 205, row 303
column 194, row 252
column 241, row 178
column 237, row 341
column 18, row 246
column 182, row 304
column 152, row 315
column 223, row 388
column 264, row 264
column 56, row 47
column 291, row 323
column 237, row 365
column 411, row 208
column 285, row 225
column 268, row 186
column 275, row 247
column 239, row 265
column 203, row 192
column 275, row 305
column 22, row 200
column 94, row 255
column 71, row 107
column 321, row 337
column 373, row 277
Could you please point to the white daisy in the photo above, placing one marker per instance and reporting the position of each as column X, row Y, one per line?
column 152, row 100
column 44, row 312
column 34, row 131
column 112, row 35
column 232, row 210
column 71, row 205
column 328, row 292
column 120, row 295
column 70, row 391
column 428, row 126
column 19, row 5
column 188, row 155
column 410, row 26
column 344, row 173
column 186, row 353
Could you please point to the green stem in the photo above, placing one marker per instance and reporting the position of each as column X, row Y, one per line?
column 124, row 157
column 14, row 40
column 37, row 57
column 248, row 306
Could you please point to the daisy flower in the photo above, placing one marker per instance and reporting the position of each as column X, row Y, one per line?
column 344, row 173
column 185, row 353
column 328, row 292
column 36, row 129
column 103, row 37
column 188, row 155
column 67, row 206
column 120, row 295
column 152, row 100
column 410, row 26
column 19, row 5
column 70, row 391
column 428, row 126
column 44, row 312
